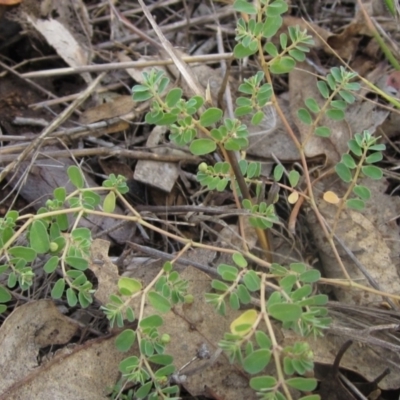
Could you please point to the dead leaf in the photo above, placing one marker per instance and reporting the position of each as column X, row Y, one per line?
column 331, row 197
column 369, row 236
column 117, row 107
column 9, row 2
column 68, row 33
column 27, row 329
column 87, row 372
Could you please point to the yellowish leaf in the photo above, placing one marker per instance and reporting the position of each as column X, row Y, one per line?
column 331, row 197
column 242, row 325
column 293, row 197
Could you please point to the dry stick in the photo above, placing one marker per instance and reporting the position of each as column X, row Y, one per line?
column 179, row 25
column 71, row 97
column 228, row 155
column 106, row 152
column 48, row 130
column 34, row 84
column 211, row 58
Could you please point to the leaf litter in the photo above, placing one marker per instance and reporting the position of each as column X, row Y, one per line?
column 371, row 236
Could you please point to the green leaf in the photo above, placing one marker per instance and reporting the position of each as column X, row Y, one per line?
column 239, row 260
column 276, row 8
column 75, row 176
column 160, row 303
column 374, row 157
column 262, row 383
column 297, row 54
column 348, row 160
column 263, row 340
column 285, row 312
column 153, row 321
column 347, row 96
column 323, row 131
column 312, row 105
column 294, row 177
column 378, row 147
column 144, row 390
column 282, row 65
column 335, row 114
column 125, row 340
column 128, row 364
column 372, row 172
column 355, row 204
column 243, row 293
column 161, row 359
column 128, row 286
column 363, row 192
column 3, row 308
column 257, row 118
column 355, row 147
column 271, row 49
column 234, row 301
column 310, row 276
column 173, row 96
column 72, row 299
column 58, row 289
column 51, row 264
column 271, row 26
column 81, row 233
column 200, row 147
column 210, row 116
column 304, row 116
column 60, row 194
column 39, row 237
column 296, row 267
column 165, row 371
column 109, row 202
column 228, row 272
column 344, row 172
column 339, row 104
column 252, row 281
column 278, row 172
column 5, row 295
column 218, row 285
column 303, row 384
column 12, row 280
column 323, row 89
column 256, row 361
column 26, row 253
column 244, row 7
column 142, row 96
column 77, row 263
column 241, row 51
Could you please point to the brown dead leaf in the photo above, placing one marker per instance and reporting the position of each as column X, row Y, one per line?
column 369, row 236
column 9, row 2
column 68, row 33
column 117, row 107
column 87, row 372
column 29, row 328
